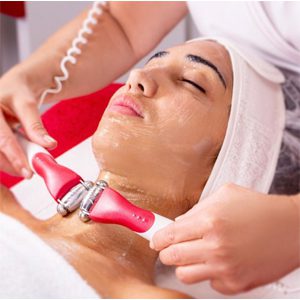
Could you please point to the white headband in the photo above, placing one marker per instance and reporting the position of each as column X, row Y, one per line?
column 251, row 146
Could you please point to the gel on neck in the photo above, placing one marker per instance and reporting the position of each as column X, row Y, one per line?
column 108, row 206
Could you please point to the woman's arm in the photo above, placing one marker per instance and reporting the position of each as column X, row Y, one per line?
column 125, row 32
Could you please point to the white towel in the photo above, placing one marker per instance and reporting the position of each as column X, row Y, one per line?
column 29, row 268
column 250, row 150
column 166, row 278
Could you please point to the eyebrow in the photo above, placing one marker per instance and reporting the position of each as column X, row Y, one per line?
column 196, row 59
column 158, row 54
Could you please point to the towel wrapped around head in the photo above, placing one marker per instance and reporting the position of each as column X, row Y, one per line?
column 251, row 146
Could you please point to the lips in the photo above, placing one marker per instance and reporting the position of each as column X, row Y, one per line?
column 126, row 105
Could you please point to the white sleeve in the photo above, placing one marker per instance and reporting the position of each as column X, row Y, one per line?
column 285, row 17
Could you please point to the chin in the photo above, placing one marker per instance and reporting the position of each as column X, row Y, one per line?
column 128, row 161
column 144, row 161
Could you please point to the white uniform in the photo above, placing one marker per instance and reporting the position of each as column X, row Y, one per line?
column 272, row 28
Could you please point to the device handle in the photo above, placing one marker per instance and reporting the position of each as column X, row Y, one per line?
column 58, row 179
column 31, row 149
column 159, row 223
column 111, row 207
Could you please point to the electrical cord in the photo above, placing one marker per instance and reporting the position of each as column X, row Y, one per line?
column 80, row 39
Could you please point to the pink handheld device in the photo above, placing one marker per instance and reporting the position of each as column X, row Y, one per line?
column 65, row 186
column 104, row 205
column 98, row 202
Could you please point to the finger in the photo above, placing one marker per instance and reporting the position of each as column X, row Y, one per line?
column 223, row 288
column 186, row 253
column 29, row 117
column 188, row 213
column 6, row 166
column 200, row 206
column 179, row 231
column 12, row 150
column 194, row 273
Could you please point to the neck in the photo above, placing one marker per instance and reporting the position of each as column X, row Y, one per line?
column 108, row 247
column 166, row 202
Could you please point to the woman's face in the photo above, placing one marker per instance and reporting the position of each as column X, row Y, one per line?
column 163, row 129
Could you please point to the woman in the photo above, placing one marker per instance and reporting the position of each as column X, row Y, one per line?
column 150, row 160
column 130, row 146
column 125, row 32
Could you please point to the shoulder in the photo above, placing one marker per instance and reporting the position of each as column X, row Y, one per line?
column 7, row 199
column 10, row 206
column 151, row 291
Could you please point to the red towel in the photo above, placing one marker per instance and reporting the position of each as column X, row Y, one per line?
column 13, row 8
column 70, row 122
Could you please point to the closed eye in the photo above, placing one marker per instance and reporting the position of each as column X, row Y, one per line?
column 200, row 88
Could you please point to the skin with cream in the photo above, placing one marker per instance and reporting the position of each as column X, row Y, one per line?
column 156, row 145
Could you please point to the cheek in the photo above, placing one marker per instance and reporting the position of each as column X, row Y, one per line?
column 219, row 117
column 182, row 121
column 192, row 130
column 183, row 133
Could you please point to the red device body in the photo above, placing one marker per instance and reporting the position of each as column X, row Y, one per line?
column 111, row 207
column 58, row 179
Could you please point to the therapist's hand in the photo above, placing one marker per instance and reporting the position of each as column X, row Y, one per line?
column 19, row 104
column 236, row 238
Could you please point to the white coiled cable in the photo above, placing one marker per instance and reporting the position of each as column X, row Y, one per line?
column 80, row 39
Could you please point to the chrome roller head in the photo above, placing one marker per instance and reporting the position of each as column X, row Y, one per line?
column 90, row 198
column 71, row 201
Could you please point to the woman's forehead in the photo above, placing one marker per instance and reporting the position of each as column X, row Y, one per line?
column 207, row 48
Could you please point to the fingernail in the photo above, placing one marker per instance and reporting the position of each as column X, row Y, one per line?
column 178, row 218
column 25, row 173
column 50, row 140
column 151, row 245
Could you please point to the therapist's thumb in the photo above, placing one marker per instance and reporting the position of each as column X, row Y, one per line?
column 28, row 115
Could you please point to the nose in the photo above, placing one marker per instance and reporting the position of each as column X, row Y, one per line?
column 140, row 82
